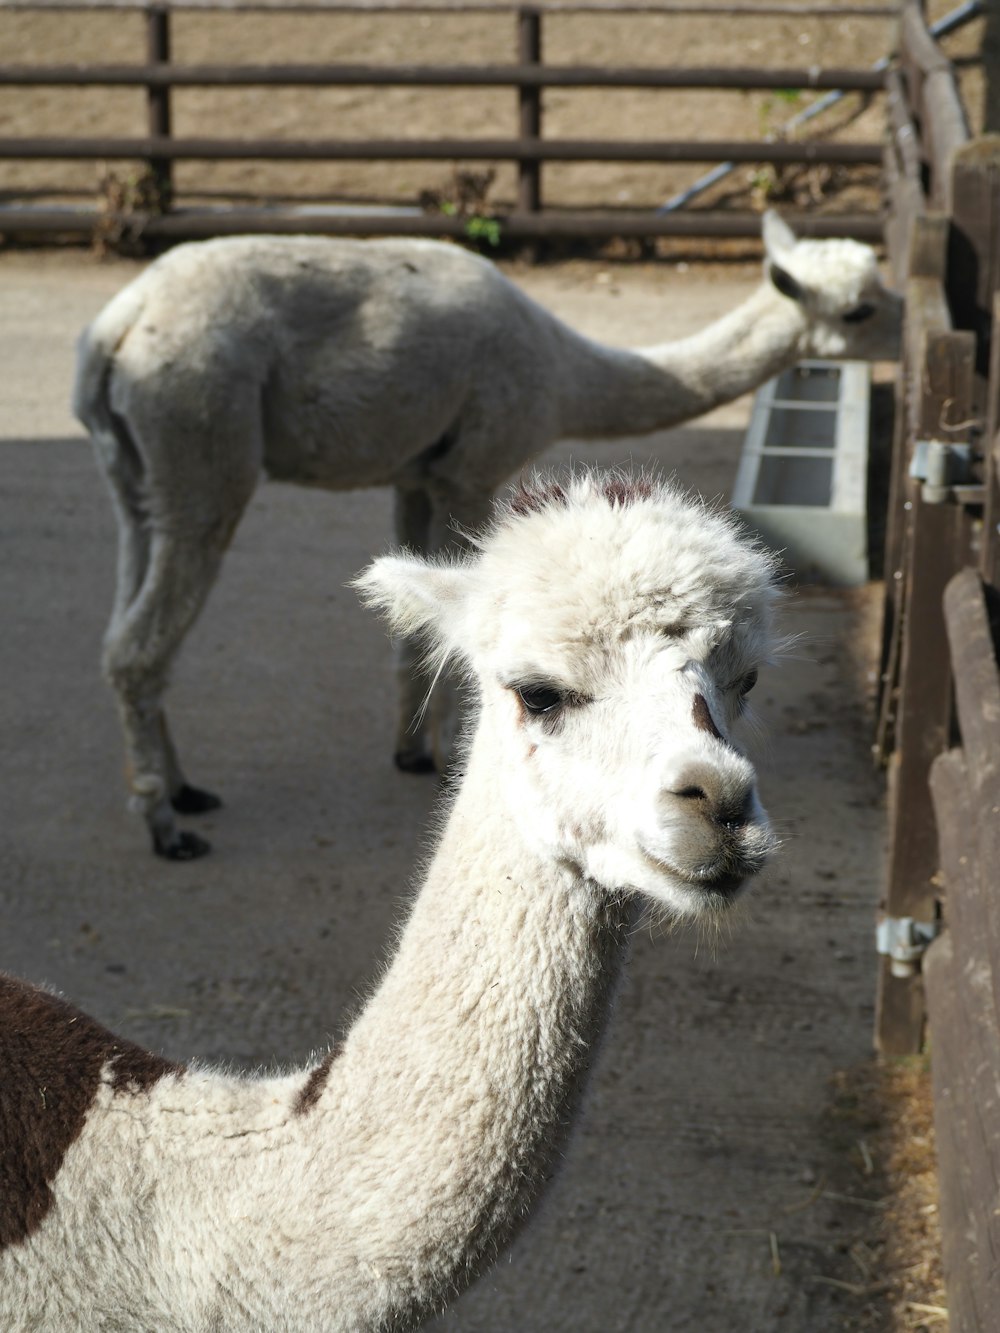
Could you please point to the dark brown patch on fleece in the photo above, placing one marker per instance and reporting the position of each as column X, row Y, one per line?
column 619, row 491
column 703, row 719
column 313, row 1087
column 51, row 1057
column 530, row 499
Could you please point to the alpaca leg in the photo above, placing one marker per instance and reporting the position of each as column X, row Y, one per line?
column 180, row 491
column 140, row 645
column 185, row 798
column 414, row 753
column 133, row 562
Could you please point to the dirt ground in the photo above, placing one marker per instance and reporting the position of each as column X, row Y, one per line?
column 741, row 1165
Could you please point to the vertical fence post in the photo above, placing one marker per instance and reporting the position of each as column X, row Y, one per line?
column 158, row 101
column 939, row 366
column 989, row 560
column 529, row 52
column 973, row 253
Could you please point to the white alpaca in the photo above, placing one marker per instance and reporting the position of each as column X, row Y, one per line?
column 612, row 630
column 406, row 363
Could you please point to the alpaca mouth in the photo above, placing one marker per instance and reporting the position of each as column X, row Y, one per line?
column 721, row 881
column 726, row 885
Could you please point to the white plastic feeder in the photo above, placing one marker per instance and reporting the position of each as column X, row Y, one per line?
column 802, row 478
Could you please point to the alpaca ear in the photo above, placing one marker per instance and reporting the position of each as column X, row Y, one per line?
column 785, row 283
column 778, row 236
column 414, row 595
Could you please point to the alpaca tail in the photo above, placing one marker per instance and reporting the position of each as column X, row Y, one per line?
column 116, row 450
column 95, row 352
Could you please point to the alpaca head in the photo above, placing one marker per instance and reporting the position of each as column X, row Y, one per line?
column 849, row 314
column 613, row 629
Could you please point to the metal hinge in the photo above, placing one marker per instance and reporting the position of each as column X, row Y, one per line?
column 946, row 472
column 904, row 942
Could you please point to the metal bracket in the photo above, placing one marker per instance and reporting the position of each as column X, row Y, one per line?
column 945, row 469
column 904, row 941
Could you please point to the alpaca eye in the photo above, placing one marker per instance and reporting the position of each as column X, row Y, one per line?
column 859, row 314
column 540, row 698
column 748, row 682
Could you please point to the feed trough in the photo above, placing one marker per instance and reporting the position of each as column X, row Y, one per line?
column 802, row 477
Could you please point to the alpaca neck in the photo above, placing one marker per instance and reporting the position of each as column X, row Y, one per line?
column 459, row 1079
column 614, row 392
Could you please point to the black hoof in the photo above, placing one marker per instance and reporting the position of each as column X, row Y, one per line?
column 189, row 800
column 414, row 761
column 183, row 847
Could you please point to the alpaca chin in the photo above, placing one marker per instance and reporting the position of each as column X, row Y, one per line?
column 665, row 888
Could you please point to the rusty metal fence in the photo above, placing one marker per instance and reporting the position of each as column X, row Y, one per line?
column 528, row 147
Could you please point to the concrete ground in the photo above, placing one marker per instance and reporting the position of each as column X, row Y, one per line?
column 706, row 1188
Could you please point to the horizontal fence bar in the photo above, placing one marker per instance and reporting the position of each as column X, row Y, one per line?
column 194, row 223
column 512, row 76
column 405, row 150
column 458, row 7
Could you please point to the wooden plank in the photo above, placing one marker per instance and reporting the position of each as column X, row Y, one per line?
column 974, row 244
column 924, row 711
column 928, row 256
column 939, row 363
column 912, row 34
column 921, row 48
column 965, row 1033
column 902, row 167
column 945, row 132
column 399, row 150
column 934, row 97
column 724, row 9
column 529, row 110
column 191, row 223
column 989, row 563
column 939, row 401
column 525, row 74
column 960, row 1240
column 902, row 205
column 924, row 258
column 977, row 703
column 902, row 127
column 922, row 725
column 956, row 1184
column 158, row 100
column 977, row 686
column 894, row 565
column 900, row 1011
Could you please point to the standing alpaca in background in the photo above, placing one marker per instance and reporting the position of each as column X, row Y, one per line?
column 358, row 363
column 612, row 629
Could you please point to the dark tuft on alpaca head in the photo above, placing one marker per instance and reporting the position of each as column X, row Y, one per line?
column 620, row 490
column 537, row 493
column 534, row 495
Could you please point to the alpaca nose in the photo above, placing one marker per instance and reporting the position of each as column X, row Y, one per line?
column 726, row 797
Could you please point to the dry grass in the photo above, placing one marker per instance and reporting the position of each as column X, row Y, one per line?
column 883, row 1117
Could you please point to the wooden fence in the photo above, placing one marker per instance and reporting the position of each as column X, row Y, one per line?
column 528, row 148
column 939, row 722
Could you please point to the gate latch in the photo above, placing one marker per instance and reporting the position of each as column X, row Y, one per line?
column 903, row 941
column 946, row 472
